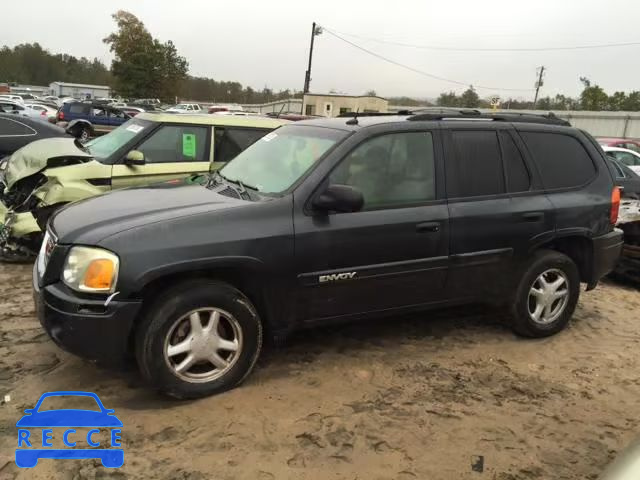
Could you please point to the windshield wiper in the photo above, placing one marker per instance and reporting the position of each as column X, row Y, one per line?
column 214, row 179
column 242, row 187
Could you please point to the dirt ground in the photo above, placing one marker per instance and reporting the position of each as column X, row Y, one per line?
column 431, row 396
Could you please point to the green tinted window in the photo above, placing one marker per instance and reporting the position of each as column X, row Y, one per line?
column 175, row 143
column 103, row 147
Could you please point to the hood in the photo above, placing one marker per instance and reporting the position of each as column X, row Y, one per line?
column 94, row 219
column 38, row 155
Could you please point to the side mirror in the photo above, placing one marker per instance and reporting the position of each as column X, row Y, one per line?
column 134, row 157
column 339, row 198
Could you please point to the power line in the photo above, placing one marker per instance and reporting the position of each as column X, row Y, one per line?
column 420, row 72
column 482, row 49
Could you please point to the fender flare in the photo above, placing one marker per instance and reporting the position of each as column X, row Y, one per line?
column 210, row 263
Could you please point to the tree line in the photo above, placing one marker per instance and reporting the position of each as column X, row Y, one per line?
column 593, row 97
column 146, row 67
column 31, row 64
column 143, row 67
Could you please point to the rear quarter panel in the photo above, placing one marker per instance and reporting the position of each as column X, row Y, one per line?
column 582, row 210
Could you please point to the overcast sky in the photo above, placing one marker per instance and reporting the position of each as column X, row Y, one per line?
column 262, row 43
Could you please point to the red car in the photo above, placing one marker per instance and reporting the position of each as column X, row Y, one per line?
column 620, row 142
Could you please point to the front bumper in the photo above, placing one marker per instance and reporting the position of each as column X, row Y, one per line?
column 86, row 328
column 15, row 225
column 606, row 252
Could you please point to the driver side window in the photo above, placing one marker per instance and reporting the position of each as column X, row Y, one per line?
column 391, row 171
column 173, row 143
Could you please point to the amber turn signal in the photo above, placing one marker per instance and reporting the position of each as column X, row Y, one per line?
column 99, row 274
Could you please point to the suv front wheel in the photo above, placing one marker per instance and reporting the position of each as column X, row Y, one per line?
column 546, row 296
column 202, row 337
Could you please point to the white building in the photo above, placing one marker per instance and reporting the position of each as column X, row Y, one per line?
column 79, row 90
column 332, row 105
column 37, row 90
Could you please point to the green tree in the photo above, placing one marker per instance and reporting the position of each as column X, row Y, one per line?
column 470, row 99
column 544, row 103
column 632, row 102
column 30, row 63
column 143, row 66
column 562, row 102
column 448, row 99
column 593, row 97
column 371, row 93
column 617, row 101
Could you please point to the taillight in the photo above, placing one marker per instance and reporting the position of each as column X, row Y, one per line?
column 60, row 115
column 615, row 205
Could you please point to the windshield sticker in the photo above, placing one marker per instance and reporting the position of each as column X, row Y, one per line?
column 189, row 145
column 135, row 128
column 269, row 136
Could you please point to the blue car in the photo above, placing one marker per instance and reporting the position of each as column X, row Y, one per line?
column 87, row 119
column 68, row 418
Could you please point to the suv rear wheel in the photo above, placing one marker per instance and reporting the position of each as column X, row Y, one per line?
column 202, row 337
column 546, row 296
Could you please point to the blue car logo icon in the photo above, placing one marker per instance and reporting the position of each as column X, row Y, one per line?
column 28, row 451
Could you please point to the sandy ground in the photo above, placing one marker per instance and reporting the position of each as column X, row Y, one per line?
column 407, row 398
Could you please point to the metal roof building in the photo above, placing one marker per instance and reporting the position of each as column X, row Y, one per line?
column 79, row 90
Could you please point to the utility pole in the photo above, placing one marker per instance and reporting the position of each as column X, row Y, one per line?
column 315, row 30
column 539, row 83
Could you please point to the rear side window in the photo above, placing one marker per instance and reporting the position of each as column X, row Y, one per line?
column 515, row 169
column 476, row 166
column 229, row 142
column 562, row 160
column 78, row 108
column 11, row 128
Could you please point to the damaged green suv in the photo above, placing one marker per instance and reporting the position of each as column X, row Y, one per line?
column 47, row 174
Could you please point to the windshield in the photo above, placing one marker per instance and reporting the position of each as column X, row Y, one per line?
column 280, row 158
column 104, row 146
column 179, row 107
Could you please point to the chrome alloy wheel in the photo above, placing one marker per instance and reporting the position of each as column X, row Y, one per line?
column 203, row 345
column 548, row 296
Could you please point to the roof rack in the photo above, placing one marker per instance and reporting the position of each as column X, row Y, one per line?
column 548, row 119
column 374, row 114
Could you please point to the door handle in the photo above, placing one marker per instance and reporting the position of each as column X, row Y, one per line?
column 428, row 227
column 533, row 216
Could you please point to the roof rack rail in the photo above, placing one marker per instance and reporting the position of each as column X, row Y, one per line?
column 374, row 114
column 548, row 119
column 443, row 110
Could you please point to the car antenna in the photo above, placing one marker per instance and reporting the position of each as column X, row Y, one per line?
column 354, row 120
column 281, row 109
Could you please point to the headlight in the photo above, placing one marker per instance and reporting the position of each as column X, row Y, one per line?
column 88, row 269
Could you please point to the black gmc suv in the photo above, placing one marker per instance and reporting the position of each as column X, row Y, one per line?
column 326, row 220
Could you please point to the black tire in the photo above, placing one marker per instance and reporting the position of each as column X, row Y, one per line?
column 543, row 261
column 159, row 323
